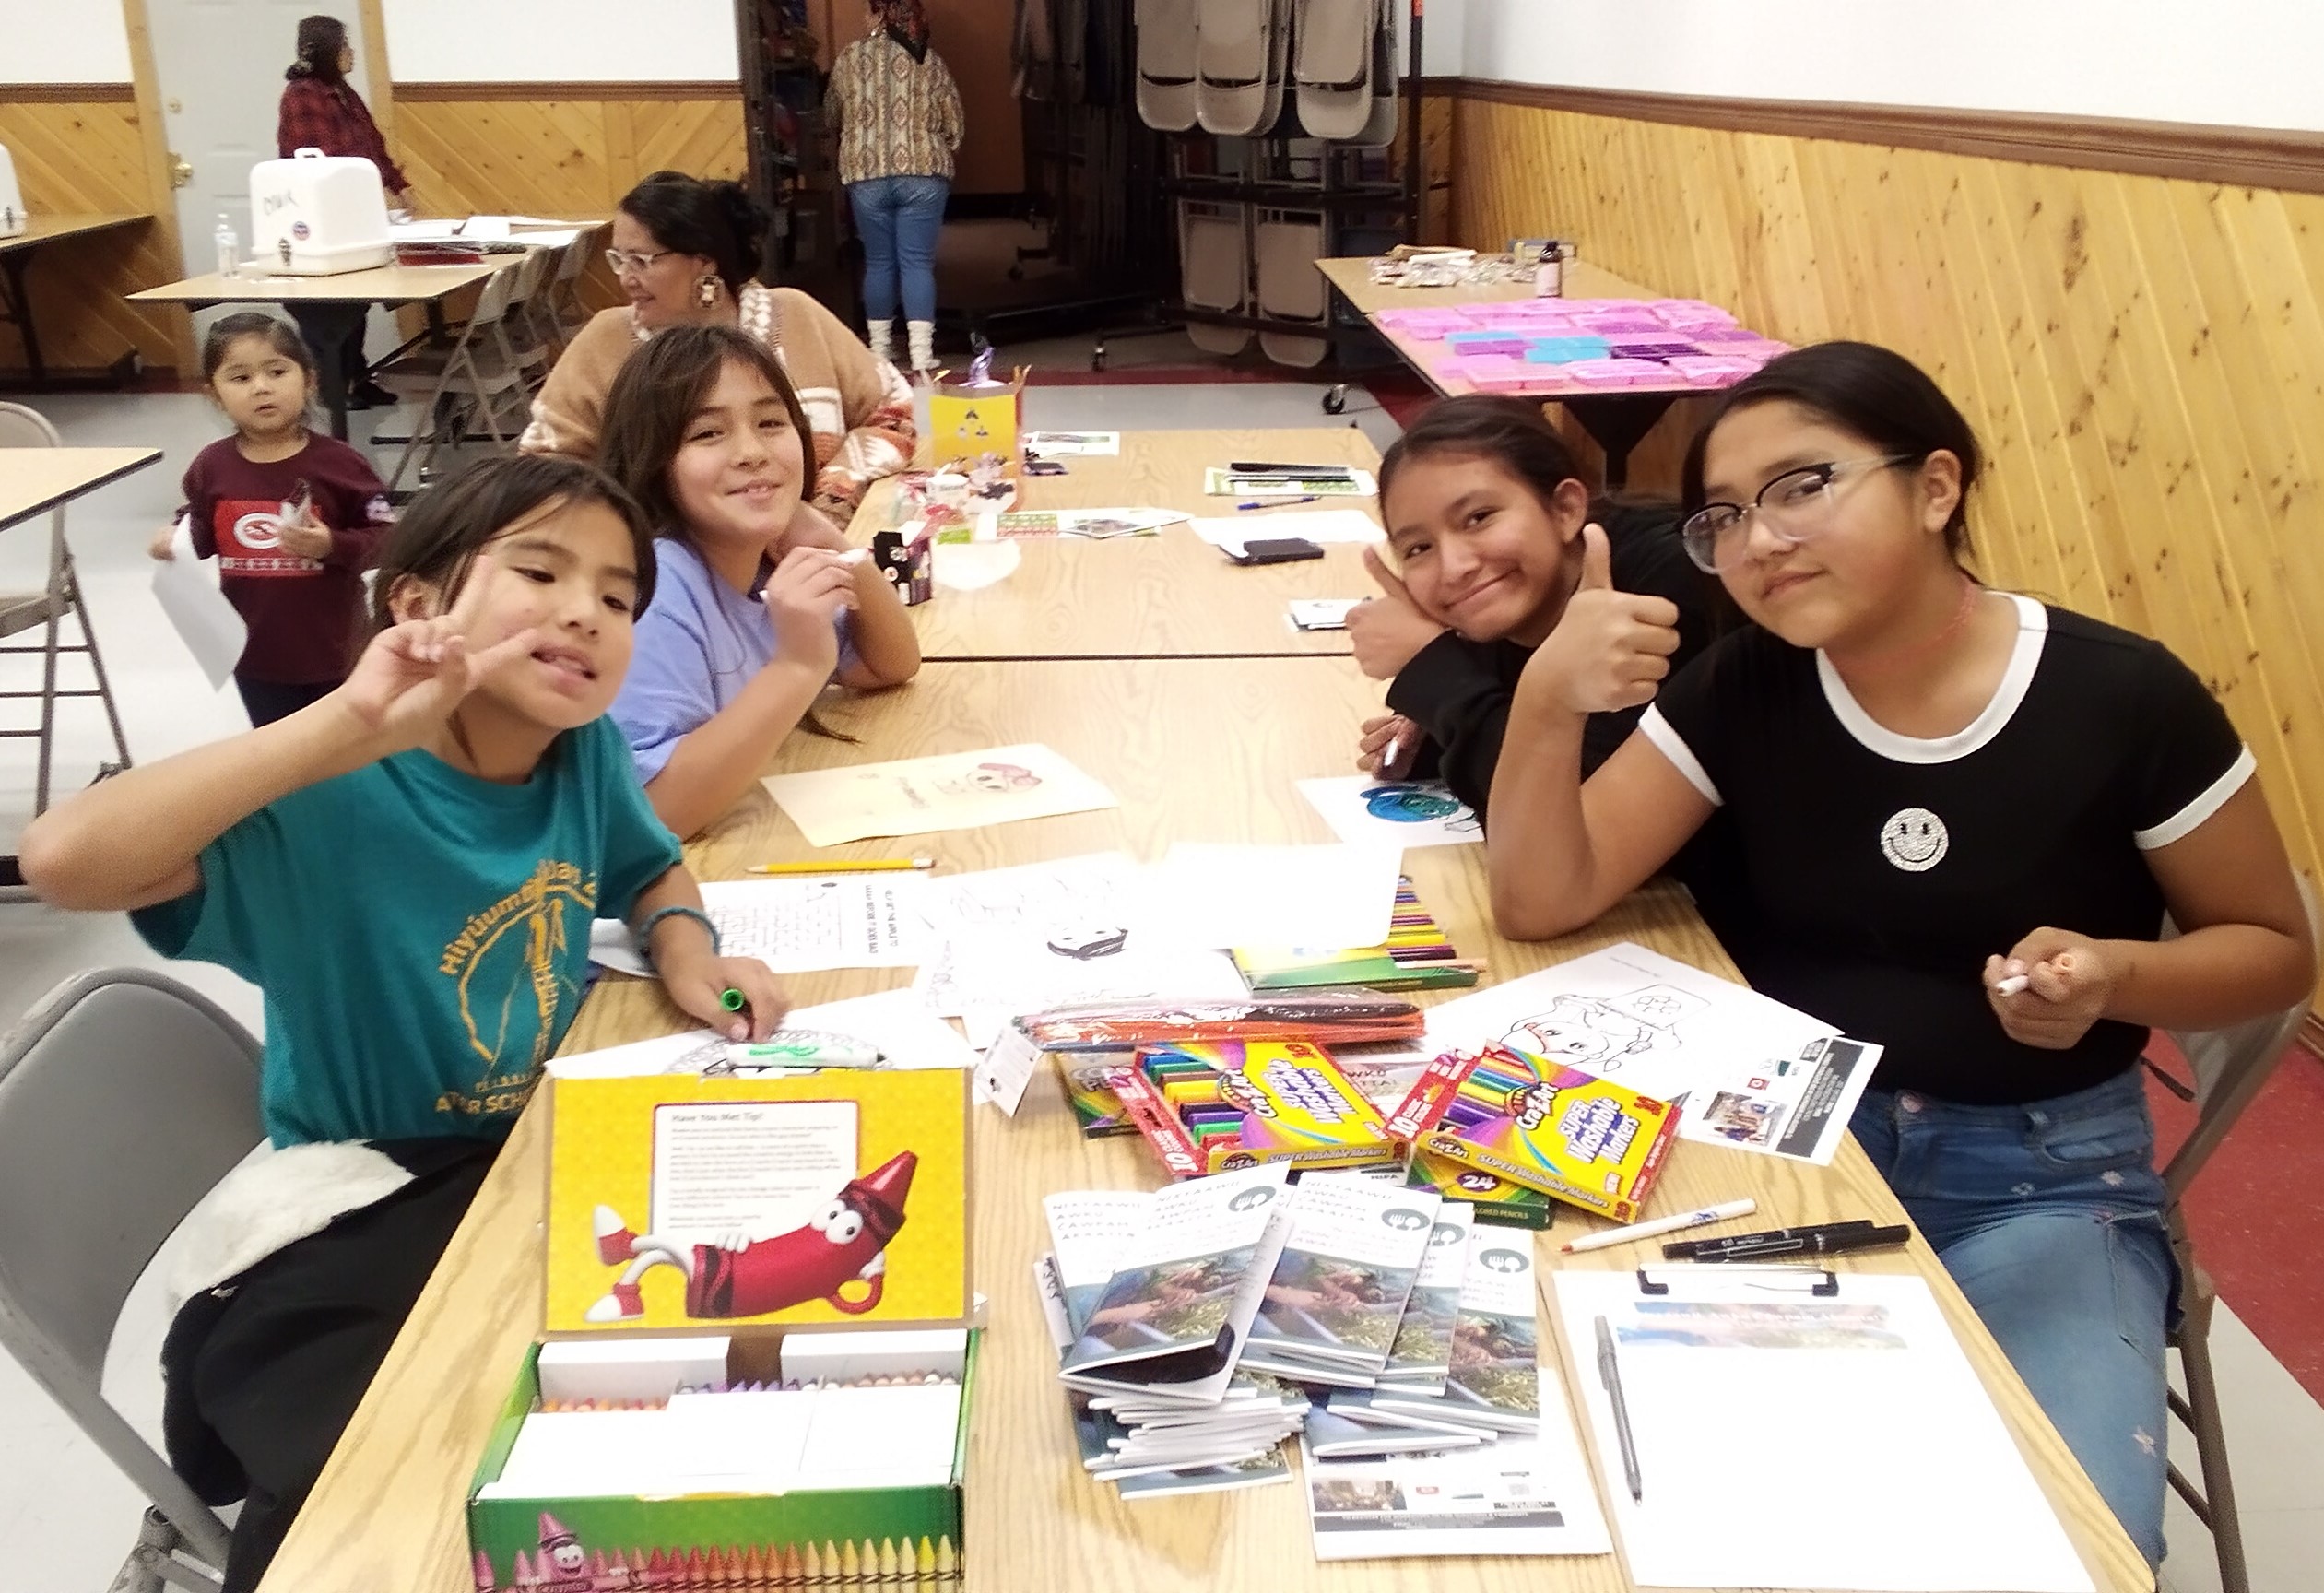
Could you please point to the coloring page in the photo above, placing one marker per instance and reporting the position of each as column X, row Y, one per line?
column 1362, row 808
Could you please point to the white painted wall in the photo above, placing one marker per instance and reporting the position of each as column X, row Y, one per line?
column 2234, row 63
column 560, row 41
column 63, row 41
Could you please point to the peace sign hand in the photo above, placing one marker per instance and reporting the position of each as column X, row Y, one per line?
column 413, row 675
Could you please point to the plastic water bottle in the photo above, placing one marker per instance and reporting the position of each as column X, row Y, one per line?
column 229, row 251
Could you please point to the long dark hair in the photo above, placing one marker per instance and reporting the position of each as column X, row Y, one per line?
column 660, row 389
column 320, row 41
column 1873, row 392
column 905, row 21
column 718, row 221
column 439, row 535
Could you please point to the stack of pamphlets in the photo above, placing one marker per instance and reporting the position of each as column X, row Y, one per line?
column 1337, row 1300
column 1491, row 1385
column 1149, row 1298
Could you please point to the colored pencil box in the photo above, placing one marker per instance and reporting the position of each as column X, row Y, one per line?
column 1325, row 1017
column 1572, row 1134
column 1494, row 1198
column 1217, row 1108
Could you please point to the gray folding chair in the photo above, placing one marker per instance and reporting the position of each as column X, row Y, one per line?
column 58, row 596
column 125, row 1097
column 2230, row 1067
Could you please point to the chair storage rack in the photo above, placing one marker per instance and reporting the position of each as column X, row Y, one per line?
column 1342, row 196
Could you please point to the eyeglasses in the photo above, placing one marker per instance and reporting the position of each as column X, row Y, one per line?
column 1795, row 507
column 630, row 263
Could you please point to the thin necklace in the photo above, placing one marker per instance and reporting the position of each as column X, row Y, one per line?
column 1883, row 662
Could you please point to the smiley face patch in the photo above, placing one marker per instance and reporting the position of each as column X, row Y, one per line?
column 1915, row 840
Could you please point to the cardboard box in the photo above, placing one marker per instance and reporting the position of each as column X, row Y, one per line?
column 1572, row 1134
column 965, row 422
column 834, row 1537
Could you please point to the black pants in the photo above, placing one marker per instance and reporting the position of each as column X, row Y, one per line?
column 267, row 701
column 262, row 1374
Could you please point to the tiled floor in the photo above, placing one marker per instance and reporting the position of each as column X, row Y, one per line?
column 68, row 1517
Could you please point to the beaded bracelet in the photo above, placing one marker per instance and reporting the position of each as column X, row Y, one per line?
column 645, row 930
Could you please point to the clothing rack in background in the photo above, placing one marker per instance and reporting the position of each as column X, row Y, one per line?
column 794, row 170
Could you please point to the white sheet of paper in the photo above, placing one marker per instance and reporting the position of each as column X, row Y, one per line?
column 1019, row 940
column 188, row 592
column 919, row 795
column 684, row 1053
column 1312, row 898
column 895, row 1021
column 1321, row 613
column 1529, row 1495
column 1317, row 525
column 1745, row 1071
column 972, row 566
column 1857, row 1403
column 798, row 925
column 1071, row 444
column 1366, row 810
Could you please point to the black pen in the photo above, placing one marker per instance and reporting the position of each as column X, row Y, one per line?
column 1260, row 468
column 1814, row 1245
column 1682, row 1249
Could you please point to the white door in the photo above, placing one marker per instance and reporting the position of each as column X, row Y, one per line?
column 220, row 67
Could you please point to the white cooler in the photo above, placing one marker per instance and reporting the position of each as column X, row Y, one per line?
column 12, row 215
column 317, row 215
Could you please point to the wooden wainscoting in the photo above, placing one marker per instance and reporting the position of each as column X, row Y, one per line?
column 468, row 148
column 87, row 154
column 2143, row 356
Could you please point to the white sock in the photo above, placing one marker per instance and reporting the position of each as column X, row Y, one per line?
column 881, row 336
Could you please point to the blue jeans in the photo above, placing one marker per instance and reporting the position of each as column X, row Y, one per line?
column 898, row 218
column 2049, row 1217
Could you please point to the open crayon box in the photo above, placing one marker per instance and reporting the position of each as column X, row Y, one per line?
column 904, row 1534
column 758, row 1345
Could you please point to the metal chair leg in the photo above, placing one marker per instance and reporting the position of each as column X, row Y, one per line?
column 97, row 666
column 2211, row 1457
column 48, row 705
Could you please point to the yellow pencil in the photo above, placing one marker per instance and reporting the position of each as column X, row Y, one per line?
column 869, row 865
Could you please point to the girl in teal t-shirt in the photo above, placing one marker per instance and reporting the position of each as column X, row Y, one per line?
column 407, row 870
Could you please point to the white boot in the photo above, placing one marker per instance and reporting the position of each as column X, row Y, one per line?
column 923, row 344
column 881, row 335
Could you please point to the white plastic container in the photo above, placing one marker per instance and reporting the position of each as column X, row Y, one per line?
column 12, row 216
column 317, row 215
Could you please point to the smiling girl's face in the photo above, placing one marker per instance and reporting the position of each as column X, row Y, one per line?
column 1479, row 551
column 740, row 465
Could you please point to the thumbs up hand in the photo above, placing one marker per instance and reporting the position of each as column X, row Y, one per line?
column 1611, row 649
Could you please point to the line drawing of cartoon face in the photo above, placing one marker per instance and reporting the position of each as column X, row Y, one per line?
column 1583, row 1032
column 1915, row 840
column 1086, row 945
column 1002, row 777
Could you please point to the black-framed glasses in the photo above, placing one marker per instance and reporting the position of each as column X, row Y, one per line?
column 630, row 263
column 1795, row 507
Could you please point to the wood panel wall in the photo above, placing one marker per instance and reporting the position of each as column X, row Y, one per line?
column 88, row 155
column 2143, row 358
column 562, row 158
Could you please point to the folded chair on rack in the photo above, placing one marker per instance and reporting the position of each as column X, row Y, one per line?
column 125, row 1097
column 47, row 607
column 1168, row 50
column 1332, row 62
column 1287, row 244
column 2230, row 1065
column 1214, row 252
column 1239, row 59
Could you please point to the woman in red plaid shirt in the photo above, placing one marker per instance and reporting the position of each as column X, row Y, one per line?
column 321, row 110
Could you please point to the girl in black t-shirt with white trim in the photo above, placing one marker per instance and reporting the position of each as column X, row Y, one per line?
column 1961, row 817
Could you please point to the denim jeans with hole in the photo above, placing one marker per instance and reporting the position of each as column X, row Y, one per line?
column 2049, row 1217
column 899, row 219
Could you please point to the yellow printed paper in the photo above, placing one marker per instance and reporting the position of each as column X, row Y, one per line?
column 953, row 791
column 677, row 1200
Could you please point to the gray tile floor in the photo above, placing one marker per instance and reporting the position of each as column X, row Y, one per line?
column 68, row 1517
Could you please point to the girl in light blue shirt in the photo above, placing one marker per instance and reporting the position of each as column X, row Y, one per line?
column 762, row 602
